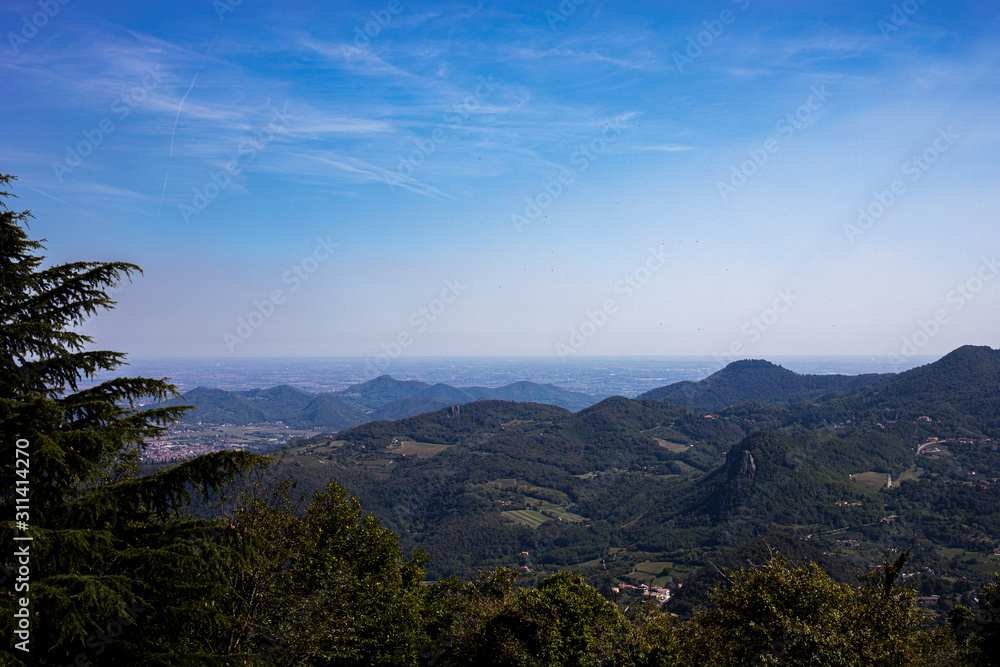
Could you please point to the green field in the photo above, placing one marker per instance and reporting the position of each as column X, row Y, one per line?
column 876, row 480
column 653, row 567
column 872, row 480
column 327, row 447
column 566, row 516
column 529, row 518
column 422, row 450
column 376, row 463
column 558, row 509
column 671, row 446
column 306, row 461
column 640, row 578
column 913, row 473
column 648, row 572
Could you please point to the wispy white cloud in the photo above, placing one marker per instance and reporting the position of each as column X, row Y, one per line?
column 667, row 148
column 360, row 61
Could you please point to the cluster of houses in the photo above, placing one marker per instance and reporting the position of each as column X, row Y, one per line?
column 930, row 447
column 160, row 452
column 184, row 441
column 961, row 441
column 524, row 569
column 661, row 594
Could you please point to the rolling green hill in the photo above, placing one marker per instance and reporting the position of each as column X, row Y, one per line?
column 295, row 407
column 383, row 398
column 641, row 482
column 381, row 390
column 530, row 392
column 755, row 380
column 962, row 389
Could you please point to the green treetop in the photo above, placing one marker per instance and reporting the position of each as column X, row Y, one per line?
column 107, row 544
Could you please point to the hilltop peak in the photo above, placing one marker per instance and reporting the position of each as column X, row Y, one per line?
column 755, row 380
column 972, row 353
column 379, row 391
column 754, row 366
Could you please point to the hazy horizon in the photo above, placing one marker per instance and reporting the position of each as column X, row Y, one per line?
column 597, row 376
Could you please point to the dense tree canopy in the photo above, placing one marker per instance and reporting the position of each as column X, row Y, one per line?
column 782, row 614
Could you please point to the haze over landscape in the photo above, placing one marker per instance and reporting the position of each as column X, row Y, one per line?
column 486, row 180
column 572, row 333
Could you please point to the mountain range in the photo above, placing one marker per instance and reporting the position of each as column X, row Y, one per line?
column 381, row 398
column 655, row 491
column 385, row 398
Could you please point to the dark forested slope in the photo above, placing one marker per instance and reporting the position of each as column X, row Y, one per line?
column 755, row 380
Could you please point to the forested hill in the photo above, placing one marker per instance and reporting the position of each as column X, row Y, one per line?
column 658, row 491
column 295, row 407
column 961, row 390
column 756, row 380
column 383, row 398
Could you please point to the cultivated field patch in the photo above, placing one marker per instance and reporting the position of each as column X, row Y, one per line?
column 671, row 446
column 529, row 518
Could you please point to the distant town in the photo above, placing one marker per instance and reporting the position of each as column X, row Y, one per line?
column 184, row 441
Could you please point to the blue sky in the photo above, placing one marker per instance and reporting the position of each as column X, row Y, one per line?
column 738, row 179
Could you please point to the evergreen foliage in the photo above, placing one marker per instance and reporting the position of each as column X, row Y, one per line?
column 104, row 540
